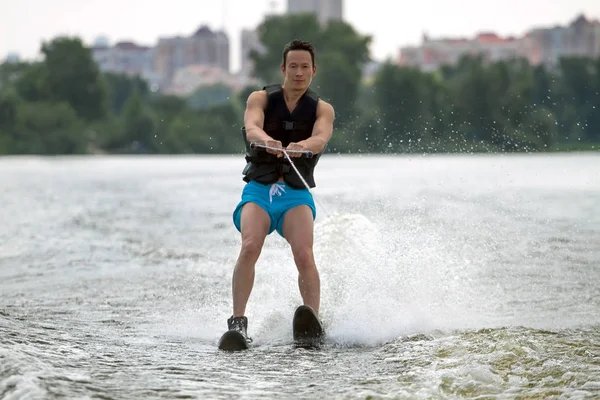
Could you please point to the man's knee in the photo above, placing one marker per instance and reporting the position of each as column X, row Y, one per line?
column 252, row 246
column 255, row 228
column 304, row 257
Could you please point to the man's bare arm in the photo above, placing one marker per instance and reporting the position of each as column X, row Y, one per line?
column 322, row 129
column 254, row 117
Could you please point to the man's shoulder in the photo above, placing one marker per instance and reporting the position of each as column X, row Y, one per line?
column 259, row 93
column 258, row 97
column 324, row 107
column 323, row 103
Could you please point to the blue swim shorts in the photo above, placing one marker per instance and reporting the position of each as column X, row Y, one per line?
column 276, row 199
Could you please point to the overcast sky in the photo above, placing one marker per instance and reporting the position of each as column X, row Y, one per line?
column 25, row 23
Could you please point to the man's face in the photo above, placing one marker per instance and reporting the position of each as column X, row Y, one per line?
column 298, row 70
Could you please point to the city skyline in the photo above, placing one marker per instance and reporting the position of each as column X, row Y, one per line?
column 145, row 23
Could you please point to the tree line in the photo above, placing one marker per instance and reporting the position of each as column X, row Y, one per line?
column 65, row 105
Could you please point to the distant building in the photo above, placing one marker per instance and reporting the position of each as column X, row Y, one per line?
column 101, row 41
column 580, row 38
column 325, row 10
column 125, row 58
column 204, row 47
column 12, row 58
column 159, row 64
column 432, row 54
column 540, row 45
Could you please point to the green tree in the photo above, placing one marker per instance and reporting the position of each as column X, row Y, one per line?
column 48, row 128
column 197, row 133
column 593, row 114
column 403, row 97
column 210, row 95
column 31, row 83
column 542, row 86
column 166, row 108
column 576, row 89
column 139, row 128
column 343, row 58
column 71, row 75
column 541, row 125
column 10, row 72
column 120, row 87
column 9, row 105
column 477, row 107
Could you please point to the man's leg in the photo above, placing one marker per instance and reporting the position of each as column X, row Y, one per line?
column 255, row 223
column 297, row 229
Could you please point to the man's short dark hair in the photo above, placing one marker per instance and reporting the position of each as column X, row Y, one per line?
column 299, row 45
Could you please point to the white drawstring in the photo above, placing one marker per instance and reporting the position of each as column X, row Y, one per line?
column 276, row 190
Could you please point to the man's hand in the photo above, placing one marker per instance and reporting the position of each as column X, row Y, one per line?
column 276, row 144
column 295, row 149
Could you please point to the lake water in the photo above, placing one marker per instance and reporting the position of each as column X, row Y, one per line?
column 443, row 277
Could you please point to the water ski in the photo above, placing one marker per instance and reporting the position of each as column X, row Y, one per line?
column 308, row 331
column 233, row 340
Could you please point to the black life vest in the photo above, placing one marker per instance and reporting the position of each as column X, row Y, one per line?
column 286, row 127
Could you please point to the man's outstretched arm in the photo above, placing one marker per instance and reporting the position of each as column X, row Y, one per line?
column 322, row 129
column 254, row 117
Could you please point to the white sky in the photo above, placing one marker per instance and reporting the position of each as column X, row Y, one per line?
column 25, row 23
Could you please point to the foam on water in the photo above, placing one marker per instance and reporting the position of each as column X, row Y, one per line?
column 24, row 384
column 380, row 281
column 360, row 303
column 363, row 301
column 369, row 295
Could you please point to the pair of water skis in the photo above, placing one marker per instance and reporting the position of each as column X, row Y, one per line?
column 307, row 331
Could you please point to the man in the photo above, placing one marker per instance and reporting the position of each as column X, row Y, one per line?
column 291, row 117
